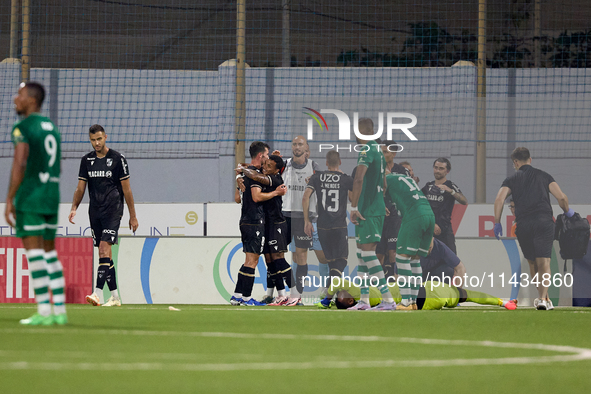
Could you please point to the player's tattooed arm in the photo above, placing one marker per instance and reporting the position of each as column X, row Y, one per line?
column 256, row 176
column 259, row 196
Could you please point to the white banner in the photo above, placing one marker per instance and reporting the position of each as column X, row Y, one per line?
column 204, row 271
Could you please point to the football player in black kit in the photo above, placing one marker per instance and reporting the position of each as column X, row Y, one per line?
column 332, row 192
column 252, row 224
column 442, row 195
column 107, row 175
column 276, row 230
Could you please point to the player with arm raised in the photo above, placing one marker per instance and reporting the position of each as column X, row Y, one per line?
column 332, row 188
column 442, row 195
column 107, row 174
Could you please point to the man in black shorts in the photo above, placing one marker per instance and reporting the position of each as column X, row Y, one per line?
column 530, row 189
column 107, row 174
column 442, row 195
column 276, row 230
column 332, row 192
column 252, row 224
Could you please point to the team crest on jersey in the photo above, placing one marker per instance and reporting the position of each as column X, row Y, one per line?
column 109, row 162
column 47, row 126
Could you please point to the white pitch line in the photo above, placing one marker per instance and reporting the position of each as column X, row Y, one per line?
column 275, row 366
column 577, row 354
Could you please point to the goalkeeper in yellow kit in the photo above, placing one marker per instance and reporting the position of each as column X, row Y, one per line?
column 432, row 296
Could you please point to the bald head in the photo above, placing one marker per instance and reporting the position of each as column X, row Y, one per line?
column 298, row 146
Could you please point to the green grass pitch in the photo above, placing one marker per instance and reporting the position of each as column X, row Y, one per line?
column 223, row 349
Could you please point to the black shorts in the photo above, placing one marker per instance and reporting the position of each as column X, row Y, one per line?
column 389, row 234
column 335, row 243
column 296, row 230
column 253, row 238
column 276, row 234
column 104, row 226
column 535, row 237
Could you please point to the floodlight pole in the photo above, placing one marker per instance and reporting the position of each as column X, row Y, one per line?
column 537, row 33
column 481, row 107
column 26, row 59
column 286, row 58
column 13, row 53
column 240, row 115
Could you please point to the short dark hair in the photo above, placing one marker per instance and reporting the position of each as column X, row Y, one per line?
column 95, row 128
column 404, row 163
column 333, row 158
column 339, row 304
column 365, row 124
column 337, row 301
column 35, row 90
column 520, row 154
column 256, row 148
column 443, row 160
column 278, row 162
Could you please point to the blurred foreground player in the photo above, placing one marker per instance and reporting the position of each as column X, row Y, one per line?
column 107, row 174
column 33, row 200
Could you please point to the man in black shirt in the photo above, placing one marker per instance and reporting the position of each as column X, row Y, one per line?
column 107, row 174
column 332, row 192
column 252, row 224
column 276, row 230
column 530, row 189
column 442, row 195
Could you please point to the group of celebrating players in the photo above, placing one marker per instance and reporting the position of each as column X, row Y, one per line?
column 394, row 223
